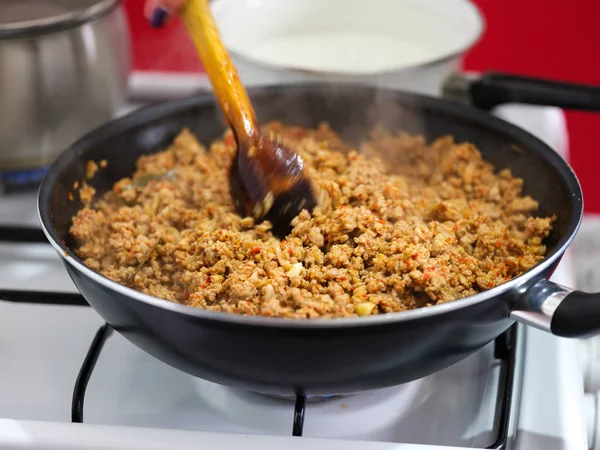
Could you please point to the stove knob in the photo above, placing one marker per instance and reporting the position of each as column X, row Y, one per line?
column 590, row 360
column 591, row 403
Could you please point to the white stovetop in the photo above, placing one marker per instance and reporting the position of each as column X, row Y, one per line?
column 42, row 348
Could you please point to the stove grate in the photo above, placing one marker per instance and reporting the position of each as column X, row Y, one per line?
column 504, row 348
column 89, row 364
column 299, row 410
column 22, row 234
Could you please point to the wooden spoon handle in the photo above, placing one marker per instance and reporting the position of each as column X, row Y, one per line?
column 223, row 76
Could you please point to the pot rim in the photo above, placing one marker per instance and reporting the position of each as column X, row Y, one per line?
column 517, row 285
column 60, row 22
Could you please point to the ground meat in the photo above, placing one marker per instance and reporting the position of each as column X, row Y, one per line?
column 400, row 225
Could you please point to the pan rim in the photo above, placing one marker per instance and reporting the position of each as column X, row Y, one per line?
column 157, row 110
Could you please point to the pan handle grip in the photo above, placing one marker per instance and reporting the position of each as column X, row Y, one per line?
column 578, row 315
column 494, row 89
column 560, row 310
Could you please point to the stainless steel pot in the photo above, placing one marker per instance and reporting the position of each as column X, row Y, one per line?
column 64, row 66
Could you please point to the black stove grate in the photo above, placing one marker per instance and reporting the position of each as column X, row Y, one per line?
column 89, row 363
column 504, row 348
column 505, row 351
column 22, row 234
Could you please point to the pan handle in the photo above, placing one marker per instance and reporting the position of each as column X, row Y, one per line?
column 560, row 310
column 494, row 89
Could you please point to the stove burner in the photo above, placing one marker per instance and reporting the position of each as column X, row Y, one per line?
column 269, row 413
column 21, row 179
column 309, row 398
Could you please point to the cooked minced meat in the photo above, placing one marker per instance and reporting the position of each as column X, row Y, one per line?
column 423, row 225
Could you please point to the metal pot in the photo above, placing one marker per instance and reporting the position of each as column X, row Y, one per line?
column 64, row 66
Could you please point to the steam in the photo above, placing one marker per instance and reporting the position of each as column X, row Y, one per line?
column 353, row 110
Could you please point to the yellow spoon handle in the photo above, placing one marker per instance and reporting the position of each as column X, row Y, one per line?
column 223, row 76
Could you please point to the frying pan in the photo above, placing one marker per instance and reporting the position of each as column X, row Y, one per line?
column 328, row 356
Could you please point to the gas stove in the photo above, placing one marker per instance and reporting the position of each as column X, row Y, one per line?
column 67, row 381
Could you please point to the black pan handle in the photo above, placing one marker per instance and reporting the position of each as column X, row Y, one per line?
column 494, row 89
column 578, row 315
column 560, row 310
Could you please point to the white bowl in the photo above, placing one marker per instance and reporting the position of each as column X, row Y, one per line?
column 410, row 44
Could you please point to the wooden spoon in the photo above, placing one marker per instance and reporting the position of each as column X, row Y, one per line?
column 268, row 180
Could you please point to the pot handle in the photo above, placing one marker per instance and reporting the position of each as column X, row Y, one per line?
column 494, row 89
column 560, row 310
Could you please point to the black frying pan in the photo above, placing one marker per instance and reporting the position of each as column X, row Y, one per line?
column 326, row 356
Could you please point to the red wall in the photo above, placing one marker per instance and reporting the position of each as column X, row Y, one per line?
column 547, row 38
column 550, row 38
